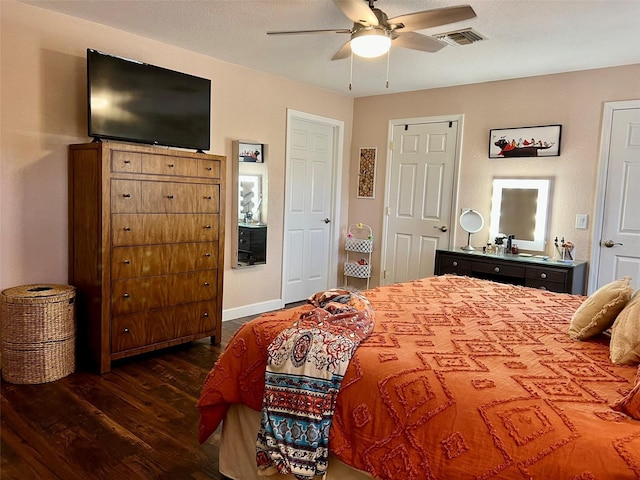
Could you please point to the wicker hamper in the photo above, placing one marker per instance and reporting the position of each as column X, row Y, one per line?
column 38, row 333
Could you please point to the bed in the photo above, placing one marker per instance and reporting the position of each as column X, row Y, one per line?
column 460, row 378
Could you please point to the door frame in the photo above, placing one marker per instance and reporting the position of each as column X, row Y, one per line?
column 598, row 215
column 336, row 182
column 456, row 178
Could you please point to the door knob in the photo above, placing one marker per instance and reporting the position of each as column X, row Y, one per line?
column 326, row 220
column 610, row 243
column 443, row 228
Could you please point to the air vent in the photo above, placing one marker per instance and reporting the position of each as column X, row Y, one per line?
column 466, row 36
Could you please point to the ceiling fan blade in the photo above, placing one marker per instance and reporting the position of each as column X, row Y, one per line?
column 417, row 41
column 357, row 11
column 433, row 18
column 344, row 51
column 301, row 32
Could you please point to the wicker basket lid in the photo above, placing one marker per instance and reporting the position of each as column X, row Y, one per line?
column 38, row 293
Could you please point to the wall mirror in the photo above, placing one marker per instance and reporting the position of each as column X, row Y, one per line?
column 520, row 207
column 250, row 193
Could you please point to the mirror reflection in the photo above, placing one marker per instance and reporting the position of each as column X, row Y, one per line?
column 519, row 207
column 250, row 199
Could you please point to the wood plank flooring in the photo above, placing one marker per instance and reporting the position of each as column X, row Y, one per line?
column 138, row 421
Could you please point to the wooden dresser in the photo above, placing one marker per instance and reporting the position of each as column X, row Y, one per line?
column 146, row 241
column 533, row 272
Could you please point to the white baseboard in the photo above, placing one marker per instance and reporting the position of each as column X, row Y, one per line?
column 253, row 309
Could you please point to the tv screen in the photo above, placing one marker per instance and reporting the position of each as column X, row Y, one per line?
column 134, row 101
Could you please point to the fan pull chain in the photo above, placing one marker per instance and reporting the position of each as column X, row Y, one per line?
column 351, row 71
column 388, row 55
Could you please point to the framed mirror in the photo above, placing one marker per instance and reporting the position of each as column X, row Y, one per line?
column 520, row 207
column 250, row 193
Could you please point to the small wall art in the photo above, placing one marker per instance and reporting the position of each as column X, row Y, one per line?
column 543, row 141
column 367, row 172
column 250, row 152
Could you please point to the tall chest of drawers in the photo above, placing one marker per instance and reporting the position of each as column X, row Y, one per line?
column 146, row 248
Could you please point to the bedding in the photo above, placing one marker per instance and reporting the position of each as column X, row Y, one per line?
column 460, row 378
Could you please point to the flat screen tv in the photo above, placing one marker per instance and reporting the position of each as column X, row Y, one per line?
column 138, row 102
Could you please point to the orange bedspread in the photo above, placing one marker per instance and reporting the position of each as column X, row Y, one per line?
column 461, row 378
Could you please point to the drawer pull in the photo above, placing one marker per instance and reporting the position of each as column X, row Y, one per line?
column 207, row 254
column 170, row 197
column 171, row 165
column 126, row 330
column 126, row 195
column 208, row 227
column 543, row 275
column 497, row 269
column 127, row 262
column 209, row 168
column 126, row 295
column 207, row 197
column 127, row 229
column 205, row 314
column 455, row 264
column 126, row 162
column 206, row 284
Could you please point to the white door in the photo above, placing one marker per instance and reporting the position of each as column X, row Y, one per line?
column 419, row 201
column 617, row 242
column 312, row 150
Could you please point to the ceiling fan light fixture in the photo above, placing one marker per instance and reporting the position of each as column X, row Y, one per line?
column 370, row 42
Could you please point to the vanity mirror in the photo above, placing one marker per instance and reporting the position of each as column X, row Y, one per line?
column 471, row 222
column 520, row 207
column 249, row 224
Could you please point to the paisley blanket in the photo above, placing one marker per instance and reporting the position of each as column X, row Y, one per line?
column 305, row 368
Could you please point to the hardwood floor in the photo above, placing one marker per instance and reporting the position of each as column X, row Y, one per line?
column 138, row 421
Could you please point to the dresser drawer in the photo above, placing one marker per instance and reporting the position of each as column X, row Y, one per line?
column 546, row 274
column 498, row 268
column 162, row 325
column 169, row 165
column 139, row 229
column 545, row 285
column 144, row 261
column 138, row 294
column 209, row 168
column 126, row 162
column 454, row 265
column 133, row 196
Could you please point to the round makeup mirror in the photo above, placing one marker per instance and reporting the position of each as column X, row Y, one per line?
column 471, row 222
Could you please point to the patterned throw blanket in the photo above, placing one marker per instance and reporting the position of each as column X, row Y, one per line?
column 305, row 369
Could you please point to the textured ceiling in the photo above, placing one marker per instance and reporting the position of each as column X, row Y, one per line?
column 523, row 38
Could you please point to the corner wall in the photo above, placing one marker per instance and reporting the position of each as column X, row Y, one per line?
column 43, row 97
column 574, row 100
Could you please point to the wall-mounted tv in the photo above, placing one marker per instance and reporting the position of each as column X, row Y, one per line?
column 138, row 102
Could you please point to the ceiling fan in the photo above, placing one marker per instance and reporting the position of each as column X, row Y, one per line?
column 373, row 32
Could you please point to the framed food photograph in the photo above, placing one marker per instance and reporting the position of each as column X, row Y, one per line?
column 542, row 141
column 367, row 172
column 250, row 152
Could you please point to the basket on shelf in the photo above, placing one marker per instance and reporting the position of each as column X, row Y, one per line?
column 358, row 270
column 362, row 245
column 38, row 333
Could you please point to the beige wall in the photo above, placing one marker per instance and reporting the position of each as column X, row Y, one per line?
column 43, row 98
column 42, row 83
column 574, row 100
